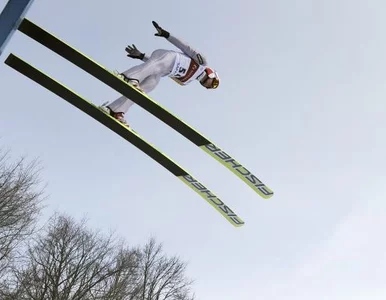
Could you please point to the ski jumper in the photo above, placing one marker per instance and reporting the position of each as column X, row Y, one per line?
column 184, row 67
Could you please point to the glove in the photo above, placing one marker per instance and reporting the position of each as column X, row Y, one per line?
column 161, row 31
column 133, row 52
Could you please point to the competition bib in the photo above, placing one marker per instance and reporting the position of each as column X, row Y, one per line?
column 185, row 69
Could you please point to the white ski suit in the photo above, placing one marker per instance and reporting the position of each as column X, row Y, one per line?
column 184, row 67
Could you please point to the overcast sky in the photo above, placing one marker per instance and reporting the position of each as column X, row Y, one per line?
column 301, row 104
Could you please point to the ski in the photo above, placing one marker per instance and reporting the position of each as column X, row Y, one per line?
column 106, row 76
column 125, row 132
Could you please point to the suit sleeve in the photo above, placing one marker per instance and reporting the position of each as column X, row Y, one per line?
column 188, row 50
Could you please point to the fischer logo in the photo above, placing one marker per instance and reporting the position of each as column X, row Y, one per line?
column 239, row 168
column 213, row 198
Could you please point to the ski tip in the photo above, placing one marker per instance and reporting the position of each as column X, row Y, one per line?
column 265, row 192
column 236, row 221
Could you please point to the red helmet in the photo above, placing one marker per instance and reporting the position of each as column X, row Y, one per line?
column 210, row 73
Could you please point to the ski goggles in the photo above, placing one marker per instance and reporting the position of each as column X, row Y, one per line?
column 215, row 82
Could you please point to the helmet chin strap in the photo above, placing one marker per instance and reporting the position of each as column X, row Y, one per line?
column 201, row 76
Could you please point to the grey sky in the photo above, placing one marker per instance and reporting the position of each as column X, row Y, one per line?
column 301, row 104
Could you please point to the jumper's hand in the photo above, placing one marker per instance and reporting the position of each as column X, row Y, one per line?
column 160, row 31
column 133, row 52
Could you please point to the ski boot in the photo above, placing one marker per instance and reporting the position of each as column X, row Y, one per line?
column 119, row 116
column 132, row 81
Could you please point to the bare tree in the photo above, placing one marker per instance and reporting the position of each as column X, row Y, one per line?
column 124, row 282
column 20, row 199
column 70, row 262
column 67, row 261
column 162, row 278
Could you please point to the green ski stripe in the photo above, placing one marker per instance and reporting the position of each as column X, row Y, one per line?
column 107, row 77
column 89, row 108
